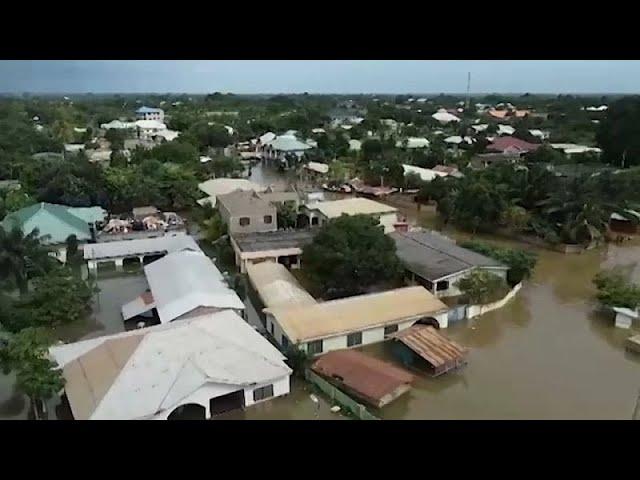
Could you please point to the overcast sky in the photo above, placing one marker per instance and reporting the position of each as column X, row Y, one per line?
column 320, row 76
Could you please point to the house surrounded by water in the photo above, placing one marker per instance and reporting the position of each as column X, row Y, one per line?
column 195, row 369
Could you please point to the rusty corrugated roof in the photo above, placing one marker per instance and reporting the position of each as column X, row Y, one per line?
column 368, row 377
column 430, row 345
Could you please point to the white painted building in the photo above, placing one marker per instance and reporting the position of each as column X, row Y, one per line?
column 425, row 174
column 413, row 142
column 625, row 317
column 148, row 113
column 353, row 321
column 149, row 128
column 444, row 117
column 319, row 213
column 183, row 284
column 211, row 363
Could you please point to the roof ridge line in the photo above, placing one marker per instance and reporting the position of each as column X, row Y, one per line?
column 443, row 252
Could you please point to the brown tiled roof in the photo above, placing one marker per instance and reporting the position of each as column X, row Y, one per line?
column 367, row 377
column 512, row 144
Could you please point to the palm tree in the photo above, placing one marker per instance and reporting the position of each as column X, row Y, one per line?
column 22, row 255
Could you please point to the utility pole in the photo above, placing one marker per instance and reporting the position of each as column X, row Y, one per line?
column 468, row 90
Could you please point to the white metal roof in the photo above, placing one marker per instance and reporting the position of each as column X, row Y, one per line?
column 426, row 174
column 414, row 142
column 350, row 206
column 445, row 117
column 355, row 144
column 267, row 137
column 151, row 125
column 169, row 363
column 506, row 130
column 288, row 143
column 142, row 246
column 570, row 148
column 318, row 167
column 185, row 280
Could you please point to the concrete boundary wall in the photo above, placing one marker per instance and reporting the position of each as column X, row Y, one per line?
column 476, row 310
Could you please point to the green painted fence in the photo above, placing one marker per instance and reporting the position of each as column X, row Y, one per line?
column 339, row 397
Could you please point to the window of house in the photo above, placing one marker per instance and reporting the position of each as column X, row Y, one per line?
column 315, row 347
column 285, row 342
column 268, row 219
column 388, row 330
column 271, row 328
column 442, row 285
column 244, row 221
column 314, row 221
column 263, row 393
column 354, row 339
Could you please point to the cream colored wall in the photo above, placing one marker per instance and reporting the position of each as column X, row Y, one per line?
column 387, row 220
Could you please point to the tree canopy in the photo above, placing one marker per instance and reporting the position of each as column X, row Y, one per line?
column 351, row 255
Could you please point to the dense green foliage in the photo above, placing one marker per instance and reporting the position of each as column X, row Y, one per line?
column 616, row 290
column 520, row 262
column 351, row 255
column 26, row 354
column 482, row 287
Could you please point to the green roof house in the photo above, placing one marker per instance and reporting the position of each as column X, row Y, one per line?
column 57, row 222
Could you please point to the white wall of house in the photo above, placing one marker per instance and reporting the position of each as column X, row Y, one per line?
column 387, row 220
column 244, row 258
column 204, row 394
column 339, row 342
column 453, row 290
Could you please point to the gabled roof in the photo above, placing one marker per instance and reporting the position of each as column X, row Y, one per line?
column 444, row 117
column 373, row 380
column 303, row 323
column 287, row 143
column 433, row 256
column 185, row 280
column 221, row 186
column 512, row 145
column 57, row 221
column 276, row 286
column 140, row 373
column 245, row 203
column 350, row 206
column 426, row 174
column 148, row 110
column 151, row 125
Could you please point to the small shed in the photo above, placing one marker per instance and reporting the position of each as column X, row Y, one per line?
column 625, row 317
column 367, row 378
column 435, row 353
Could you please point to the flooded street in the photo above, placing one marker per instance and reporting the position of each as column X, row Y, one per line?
column 545, row 355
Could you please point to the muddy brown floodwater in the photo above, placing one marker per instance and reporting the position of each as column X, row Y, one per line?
column 547, row 354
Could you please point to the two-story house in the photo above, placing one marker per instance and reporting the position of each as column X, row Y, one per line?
column 246, row 212
column 148, row 113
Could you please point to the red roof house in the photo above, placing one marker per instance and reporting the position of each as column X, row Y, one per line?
column 511, row 145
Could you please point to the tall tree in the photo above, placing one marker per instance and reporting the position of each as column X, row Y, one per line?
column 26, row 354
column 21, row 256
column 350, row 255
